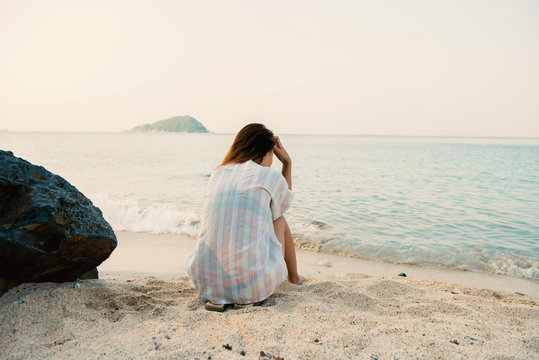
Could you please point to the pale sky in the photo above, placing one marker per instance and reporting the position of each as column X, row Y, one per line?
column 458, row 67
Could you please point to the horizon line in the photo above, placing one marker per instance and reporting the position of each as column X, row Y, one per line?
column 6, row 131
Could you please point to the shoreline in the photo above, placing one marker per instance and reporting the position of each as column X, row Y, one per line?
column 163, row 256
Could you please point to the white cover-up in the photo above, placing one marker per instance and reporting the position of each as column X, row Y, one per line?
column 238, row 258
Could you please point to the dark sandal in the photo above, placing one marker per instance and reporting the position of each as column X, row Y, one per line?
column 243, row 306
column 215, row 307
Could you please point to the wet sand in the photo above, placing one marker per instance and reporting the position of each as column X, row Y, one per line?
column 164, row 256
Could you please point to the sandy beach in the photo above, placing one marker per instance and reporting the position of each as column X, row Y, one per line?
column 144, row 306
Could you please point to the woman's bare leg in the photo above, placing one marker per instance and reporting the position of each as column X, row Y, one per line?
column 289, row 251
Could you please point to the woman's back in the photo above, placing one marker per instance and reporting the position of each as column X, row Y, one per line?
column 238, row 258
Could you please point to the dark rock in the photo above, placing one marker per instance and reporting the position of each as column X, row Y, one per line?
column 5, row 285
column 320, row 224
column 49, row 231
column 92, row 274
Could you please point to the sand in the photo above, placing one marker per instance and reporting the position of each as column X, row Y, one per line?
column 132, row 315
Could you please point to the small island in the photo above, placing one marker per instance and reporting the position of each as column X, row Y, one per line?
column 184, row 123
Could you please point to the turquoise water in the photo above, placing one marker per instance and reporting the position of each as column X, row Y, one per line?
column 468, row 203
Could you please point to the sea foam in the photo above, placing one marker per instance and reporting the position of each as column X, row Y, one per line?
column 128, row 215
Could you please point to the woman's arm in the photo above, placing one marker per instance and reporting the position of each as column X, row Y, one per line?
column 283, row 157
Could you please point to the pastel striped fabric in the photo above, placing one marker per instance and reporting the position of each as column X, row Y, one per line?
column 238, row 258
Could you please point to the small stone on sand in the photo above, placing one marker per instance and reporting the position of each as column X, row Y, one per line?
column 325, row 263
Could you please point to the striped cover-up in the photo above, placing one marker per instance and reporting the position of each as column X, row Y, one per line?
column 238, row 258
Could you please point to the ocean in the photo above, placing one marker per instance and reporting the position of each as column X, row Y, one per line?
column 464, row 203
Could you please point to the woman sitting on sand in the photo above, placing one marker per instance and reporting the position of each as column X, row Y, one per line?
column 245, row 248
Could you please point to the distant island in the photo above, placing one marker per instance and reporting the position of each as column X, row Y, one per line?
column 184, row 123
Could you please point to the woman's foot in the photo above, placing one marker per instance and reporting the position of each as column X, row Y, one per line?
column 298, row 280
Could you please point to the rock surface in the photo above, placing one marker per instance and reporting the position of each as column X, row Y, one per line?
column 49, row 231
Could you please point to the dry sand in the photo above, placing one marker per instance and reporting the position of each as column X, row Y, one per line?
column 331, row 316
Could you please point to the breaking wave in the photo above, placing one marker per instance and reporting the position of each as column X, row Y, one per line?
column 128, row 215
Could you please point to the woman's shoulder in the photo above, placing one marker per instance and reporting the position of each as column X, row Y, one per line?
column 252, row 167
column 227, row 168
column 236, row 169
column 270, row 176
column 264, row 170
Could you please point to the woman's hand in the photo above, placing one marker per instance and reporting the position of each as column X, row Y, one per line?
column 283, row 157
column 280, row 152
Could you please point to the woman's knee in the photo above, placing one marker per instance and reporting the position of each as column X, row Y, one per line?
column 280, row 219
column 279, row 225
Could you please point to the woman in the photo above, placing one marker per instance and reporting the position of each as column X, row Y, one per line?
column 245, row 248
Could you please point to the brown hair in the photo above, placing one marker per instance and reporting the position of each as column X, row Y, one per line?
column 252, row 143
